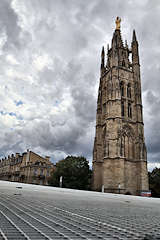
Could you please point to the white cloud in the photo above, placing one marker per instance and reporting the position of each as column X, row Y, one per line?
column 3, row 40
column 151, row 166
column 11, row 59
column 42, row 61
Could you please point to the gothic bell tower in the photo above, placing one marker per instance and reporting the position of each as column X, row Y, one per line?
column 119, row 154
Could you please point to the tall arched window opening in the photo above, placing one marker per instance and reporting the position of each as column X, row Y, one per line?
column 122, row 88
column 104, row 108
column 122, row 108
column 129, row 90
column 122, row 146
column 129, row 110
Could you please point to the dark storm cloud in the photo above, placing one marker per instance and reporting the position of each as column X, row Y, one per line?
column 51, row 64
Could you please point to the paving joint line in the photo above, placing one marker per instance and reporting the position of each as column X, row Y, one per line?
column 51, row 221
column 3, row 235
column 61, row 234
column 59, row 218
column 24, row 221
column 15, row 225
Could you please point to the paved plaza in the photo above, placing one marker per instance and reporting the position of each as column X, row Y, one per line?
column 40, row 212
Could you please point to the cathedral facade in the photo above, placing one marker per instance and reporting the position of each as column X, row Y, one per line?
column 119, row 154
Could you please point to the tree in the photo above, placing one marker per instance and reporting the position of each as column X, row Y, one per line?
column 75, row 172
column 154, row 182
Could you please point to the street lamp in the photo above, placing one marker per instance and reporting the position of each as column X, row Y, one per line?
column 60, row 181
column 119, row 188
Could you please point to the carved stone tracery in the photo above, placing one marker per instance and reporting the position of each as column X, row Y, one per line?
column 126, row 139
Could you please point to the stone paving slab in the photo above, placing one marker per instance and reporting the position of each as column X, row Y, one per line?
column 40, row 212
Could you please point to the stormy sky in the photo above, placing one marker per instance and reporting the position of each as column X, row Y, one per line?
column 49, row 72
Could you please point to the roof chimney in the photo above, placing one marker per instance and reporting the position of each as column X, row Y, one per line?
column 47, row 158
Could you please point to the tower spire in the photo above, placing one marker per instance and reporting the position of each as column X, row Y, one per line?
column 134, row 39
column 135, row 52
column 102, row 60
column 102, row 53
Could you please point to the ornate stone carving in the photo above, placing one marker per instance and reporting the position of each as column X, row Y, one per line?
column 126, row 130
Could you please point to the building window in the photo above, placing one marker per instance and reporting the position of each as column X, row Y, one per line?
column 121, row 147
column 35, row 172
column 104, row 108
column 47, row 173
column 122, row 88
column 122, row 108
column 41, row 172
column 129, row 110
column 129, row 90
column 123, row 63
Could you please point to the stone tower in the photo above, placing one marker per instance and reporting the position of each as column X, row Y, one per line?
column 119, row 154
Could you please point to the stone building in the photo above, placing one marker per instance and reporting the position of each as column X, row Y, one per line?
column 26, row 168
column 119, row 154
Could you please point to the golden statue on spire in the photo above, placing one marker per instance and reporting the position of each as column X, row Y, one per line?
column 118, row 21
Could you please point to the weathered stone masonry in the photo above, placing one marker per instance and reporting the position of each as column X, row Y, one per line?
column 119, row 154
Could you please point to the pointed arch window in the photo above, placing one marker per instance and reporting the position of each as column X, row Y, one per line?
column 129, row 90
column 141, row 113
column 122, row 146
column 123, row 63
column 122, row 88
column 104, row 108
column 122, row 108
column 129, row 110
